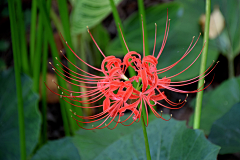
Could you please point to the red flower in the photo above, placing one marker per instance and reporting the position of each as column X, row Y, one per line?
column 118, row 91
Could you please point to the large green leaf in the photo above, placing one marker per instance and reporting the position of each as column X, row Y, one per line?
column 167, row 140
column 230, row 36
column 184, row 15
column 218, row 102
column 58, row 150
column 9, row 130
column 89, row 13
column 226, row 130
column 97, row 140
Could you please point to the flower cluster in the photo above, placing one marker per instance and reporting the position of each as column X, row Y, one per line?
column 118, row 92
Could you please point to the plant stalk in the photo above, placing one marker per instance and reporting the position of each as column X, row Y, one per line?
column 230, row 63
column 15, row 41
column 197, row 114
column 119, row 25
column 143, row 20
column 33, row 31
column 62, row 4
column 22, row 37
column 64, row 105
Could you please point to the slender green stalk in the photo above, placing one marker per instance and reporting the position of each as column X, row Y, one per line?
column 230, row 56
column 143, row 20
column 37, row 56
column 33, row 30
column 22, row 40
column 44, row 91
column 144, row 119
column 63, row 11
column 44, row 79
column 14, row 30
column 119, row 25
column 64, row 105
column 57, row 22
column 145, row 138
column 197, row 114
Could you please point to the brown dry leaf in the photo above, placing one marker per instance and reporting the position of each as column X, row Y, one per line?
column 217, row 23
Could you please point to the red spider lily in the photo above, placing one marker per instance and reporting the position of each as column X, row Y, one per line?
column 118, row 91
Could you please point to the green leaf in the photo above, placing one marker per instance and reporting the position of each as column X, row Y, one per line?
column 9, row 130
column 133, row 29
column 230, row 37
column 58, row 150
column 89, row 13
column 97, row 140
column 217, row 102
column 184, row 17
column 226, row 130
column 167, row 140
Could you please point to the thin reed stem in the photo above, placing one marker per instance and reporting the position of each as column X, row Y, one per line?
column 143, row 121
column 15, row 40
column 63, row 105
column 198, row 108
column 63, row 11
column 33, row 31
column 38, row 54
column 121, row 32
column 44, row 79
column 22, row 37
column 141, row 11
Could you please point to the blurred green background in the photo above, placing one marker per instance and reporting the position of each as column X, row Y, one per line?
column 50, row 133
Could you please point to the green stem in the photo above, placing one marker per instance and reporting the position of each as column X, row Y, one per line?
column 230, row 57
column 146, row 138
column 38, row 54
column 197, row 114
column 119, row 25
column 44, row 79
column 14, row 30
column 144, row 119
column 143, row 20
column 44, row 92
column 64, row 105
column 22, row 40
column 57, row 22
column 63, row 11
column 33, row 30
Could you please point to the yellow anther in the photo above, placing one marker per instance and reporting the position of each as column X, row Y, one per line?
column 50, row 63
column 53, row 69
